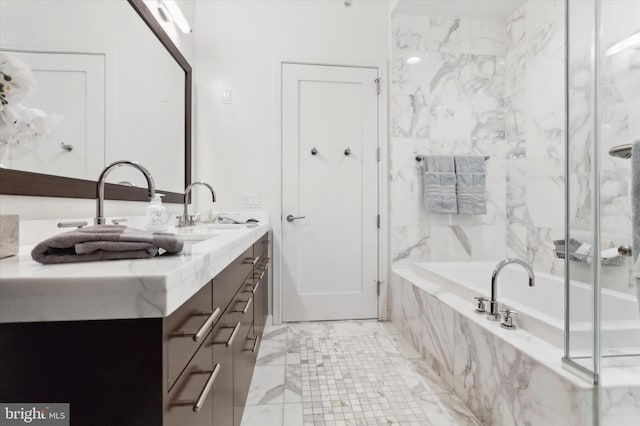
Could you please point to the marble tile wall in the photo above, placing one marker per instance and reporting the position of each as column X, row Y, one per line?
column 482, row 87
column 450, row 102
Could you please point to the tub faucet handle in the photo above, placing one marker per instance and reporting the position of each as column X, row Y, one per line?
column 481, row 308
column 507, row 321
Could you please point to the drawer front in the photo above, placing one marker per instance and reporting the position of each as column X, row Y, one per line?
column 223, row 341
column 244, row 357
column 190, row 401
column 260, row 299
column 261, row 247
column 227, row 282
column 186, row 329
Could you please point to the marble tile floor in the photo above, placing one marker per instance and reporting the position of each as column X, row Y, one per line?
column 339, row 373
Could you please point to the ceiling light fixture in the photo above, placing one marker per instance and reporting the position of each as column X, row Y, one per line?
column 170, row 11
column 413, row 60
column 629, row 42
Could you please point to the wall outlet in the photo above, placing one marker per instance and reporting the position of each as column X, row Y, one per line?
column 252, row 201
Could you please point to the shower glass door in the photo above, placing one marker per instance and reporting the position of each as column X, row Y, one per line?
column 602, row 321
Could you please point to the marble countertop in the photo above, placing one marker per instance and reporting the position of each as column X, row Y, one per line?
column 119, row 289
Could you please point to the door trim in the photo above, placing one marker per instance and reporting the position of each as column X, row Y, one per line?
column 383, row 209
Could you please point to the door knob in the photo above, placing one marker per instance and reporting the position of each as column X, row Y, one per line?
column 291, row 218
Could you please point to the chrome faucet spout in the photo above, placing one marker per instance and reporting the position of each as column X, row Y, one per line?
column 493, row 304
column 185, row 220
column 151, row 186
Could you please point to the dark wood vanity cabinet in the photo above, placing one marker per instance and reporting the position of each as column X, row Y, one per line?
column 192, row 368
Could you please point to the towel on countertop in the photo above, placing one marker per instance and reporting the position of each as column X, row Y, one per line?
column 470, row 184
column 635, row 212
column 104, row 242
column 440, row 184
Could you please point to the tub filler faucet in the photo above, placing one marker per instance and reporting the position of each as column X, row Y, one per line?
column 494, row 314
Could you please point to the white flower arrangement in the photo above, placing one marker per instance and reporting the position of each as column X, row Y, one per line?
column 20, row 125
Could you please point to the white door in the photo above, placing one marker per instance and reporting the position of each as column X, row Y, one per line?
column 71, row 85
column 329, row 255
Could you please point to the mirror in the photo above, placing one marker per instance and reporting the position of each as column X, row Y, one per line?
column 95, row 86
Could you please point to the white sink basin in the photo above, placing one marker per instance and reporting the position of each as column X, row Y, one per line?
column 196, row 233
column 219, row 226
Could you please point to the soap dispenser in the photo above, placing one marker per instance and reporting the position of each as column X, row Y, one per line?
column 157, row 217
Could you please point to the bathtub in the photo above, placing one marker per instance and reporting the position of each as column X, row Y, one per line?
column 516, row 377
column 541, row 308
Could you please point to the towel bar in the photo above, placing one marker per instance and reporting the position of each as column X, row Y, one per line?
column 420, row 157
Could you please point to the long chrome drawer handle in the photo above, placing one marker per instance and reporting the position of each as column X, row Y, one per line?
column 203, row 329
column 246, row 307
column 255, row 287
column 253, row 261
column 206, row 389
column 232, row 336
column 255, row 344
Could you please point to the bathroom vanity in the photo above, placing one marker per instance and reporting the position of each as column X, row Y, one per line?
column 164, row 341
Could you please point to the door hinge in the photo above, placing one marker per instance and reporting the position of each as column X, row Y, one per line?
column 378, row 154
column 378, row 221
column 377, row 80
column 379, row 284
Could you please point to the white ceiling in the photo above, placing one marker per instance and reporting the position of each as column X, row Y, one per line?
column 497, row 10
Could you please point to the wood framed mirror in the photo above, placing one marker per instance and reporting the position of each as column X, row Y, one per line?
column 157, row 133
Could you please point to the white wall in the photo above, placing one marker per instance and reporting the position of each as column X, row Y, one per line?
column 54, row 208
column 238, row 46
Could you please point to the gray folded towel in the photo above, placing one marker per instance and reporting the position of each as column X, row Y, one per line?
column 104, row 242
column 440, row 184
column 470, row 184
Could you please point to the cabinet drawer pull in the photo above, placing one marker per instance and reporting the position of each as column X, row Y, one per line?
column 206, row 389
column 265, row 242
column 259, row 277
column 255, row 344
column 203, row 329
column 253, row 261
column 246, row 306
column 255, row 287
column 232, row 336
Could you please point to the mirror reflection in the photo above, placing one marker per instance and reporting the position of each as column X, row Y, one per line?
column 93, row 85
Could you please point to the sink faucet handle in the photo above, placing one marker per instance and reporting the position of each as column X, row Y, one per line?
column 481, row 308
column 507, row 321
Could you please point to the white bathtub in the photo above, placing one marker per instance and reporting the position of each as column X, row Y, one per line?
column 541, row 308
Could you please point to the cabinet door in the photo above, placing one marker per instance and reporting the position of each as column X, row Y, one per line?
column 190, row 401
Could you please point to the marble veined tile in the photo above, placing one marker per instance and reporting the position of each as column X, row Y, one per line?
column 267, row 385
column 272, row 352
column 262, row 415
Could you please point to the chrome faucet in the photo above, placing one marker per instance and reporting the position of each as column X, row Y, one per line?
column 493, row 314
column 99, row 219
column 185, row 219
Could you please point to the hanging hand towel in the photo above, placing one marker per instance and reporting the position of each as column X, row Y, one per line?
column 470, row 184
column 440, row 184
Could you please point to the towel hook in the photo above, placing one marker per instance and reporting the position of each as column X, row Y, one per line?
column 314, row 151
column 347, row 151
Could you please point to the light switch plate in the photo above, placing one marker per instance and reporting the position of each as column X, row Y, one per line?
column 252, row 201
